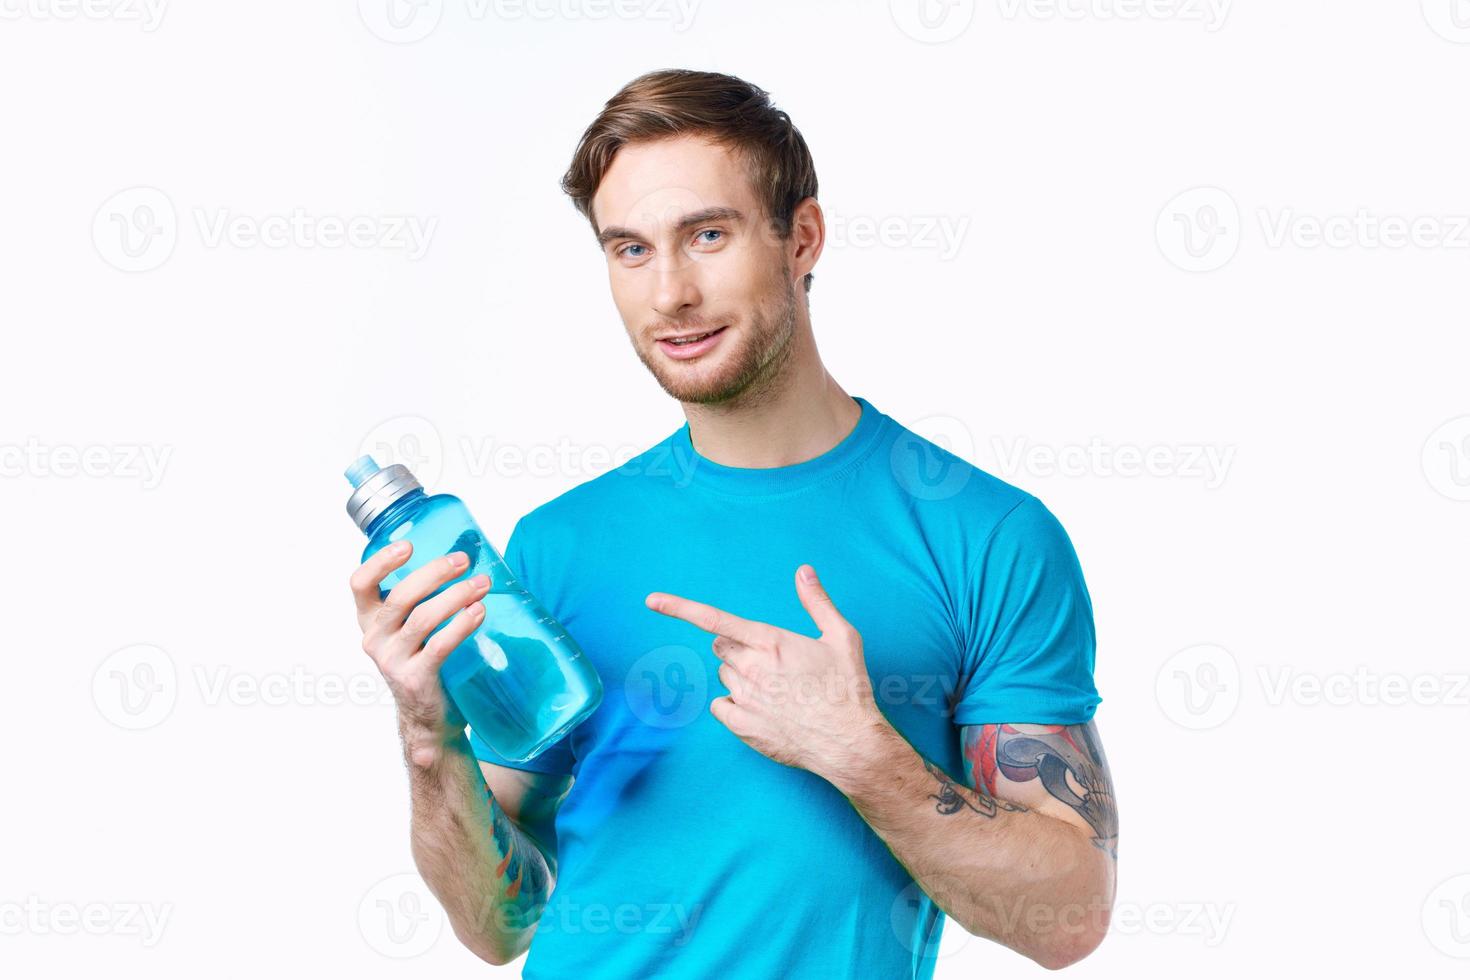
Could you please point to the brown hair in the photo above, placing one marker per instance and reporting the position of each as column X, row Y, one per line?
column 728, row 110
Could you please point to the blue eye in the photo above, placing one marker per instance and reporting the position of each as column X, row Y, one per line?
column 710, row 231
column 627, row 250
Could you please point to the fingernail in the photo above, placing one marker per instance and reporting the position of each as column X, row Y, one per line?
column 458, row 558
column 480, row 582
column 398, row 548
column 808, row 574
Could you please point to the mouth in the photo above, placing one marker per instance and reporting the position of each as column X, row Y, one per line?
column 685, row 346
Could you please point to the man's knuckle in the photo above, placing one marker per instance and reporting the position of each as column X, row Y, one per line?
column 418, row 622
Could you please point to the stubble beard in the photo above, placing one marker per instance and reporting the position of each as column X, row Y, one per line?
column 750, row 372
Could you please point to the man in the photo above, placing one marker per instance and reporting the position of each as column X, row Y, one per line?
column 848, row 675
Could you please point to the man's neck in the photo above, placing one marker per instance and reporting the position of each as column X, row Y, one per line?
column 800, row 415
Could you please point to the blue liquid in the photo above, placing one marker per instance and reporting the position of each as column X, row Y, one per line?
column 519, row 680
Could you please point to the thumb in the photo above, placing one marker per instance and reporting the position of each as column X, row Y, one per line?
column 818, row 603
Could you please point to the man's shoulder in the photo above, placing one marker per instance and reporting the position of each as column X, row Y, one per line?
column 928, row 469
column 955, row 500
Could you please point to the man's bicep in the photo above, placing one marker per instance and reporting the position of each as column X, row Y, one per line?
column 1058, row 770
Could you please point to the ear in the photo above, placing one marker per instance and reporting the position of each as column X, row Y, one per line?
column 807, row 238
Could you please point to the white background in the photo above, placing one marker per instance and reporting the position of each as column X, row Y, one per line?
column 190, row 729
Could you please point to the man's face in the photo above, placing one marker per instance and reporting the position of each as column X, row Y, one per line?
column 689, row 251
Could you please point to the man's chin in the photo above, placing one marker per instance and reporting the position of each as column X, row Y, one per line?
column 698, row 391
column 722, row 375
column 702, row 380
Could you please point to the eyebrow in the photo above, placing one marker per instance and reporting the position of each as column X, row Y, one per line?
column 614, row 232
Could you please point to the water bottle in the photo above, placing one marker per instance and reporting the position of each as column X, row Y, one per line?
column 519, row 680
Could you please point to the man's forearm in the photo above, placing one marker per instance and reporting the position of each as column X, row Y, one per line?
column 490, row 876
column 1024, row 879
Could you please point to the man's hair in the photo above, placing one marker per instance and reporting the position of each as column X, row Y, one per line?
column 727, row 110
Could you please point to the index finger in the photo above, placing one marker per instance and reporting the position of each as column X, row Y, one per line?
column 368, row 576
column 709, row 618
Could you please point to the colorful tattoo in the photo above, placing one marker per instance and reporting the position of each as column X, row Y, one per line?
column 527, row 879
column 1067, row 759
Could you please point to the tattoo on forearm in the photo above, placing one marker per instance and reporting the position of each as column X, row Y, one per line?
column 526, row 887
column 1067, row 759
column 952, row 797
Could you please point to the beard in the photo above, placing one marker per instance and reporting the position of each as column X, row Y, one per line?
column 746, row 365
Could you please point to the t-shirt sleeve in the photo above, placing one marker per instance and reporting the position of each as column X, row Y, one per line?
column 556, row 759
column 1028, row 629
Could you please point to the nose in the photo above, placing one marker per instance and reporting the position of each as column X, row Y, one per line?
column 676, row 287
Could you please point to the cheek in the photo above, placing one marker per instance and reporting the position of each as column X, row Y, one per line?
column 766, row 282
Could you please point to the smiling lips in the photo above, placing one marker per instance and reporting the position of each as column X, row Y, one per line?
column 690, row 345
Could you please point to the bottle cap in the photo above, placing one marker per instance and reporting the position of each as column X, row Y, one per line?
column 375, row 489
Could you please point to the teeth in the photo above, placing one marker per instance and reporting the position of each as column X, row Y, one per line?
column 689, row 340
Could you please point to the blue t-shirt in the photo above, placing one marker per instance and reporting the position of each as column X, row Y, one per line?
column 683, row 852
